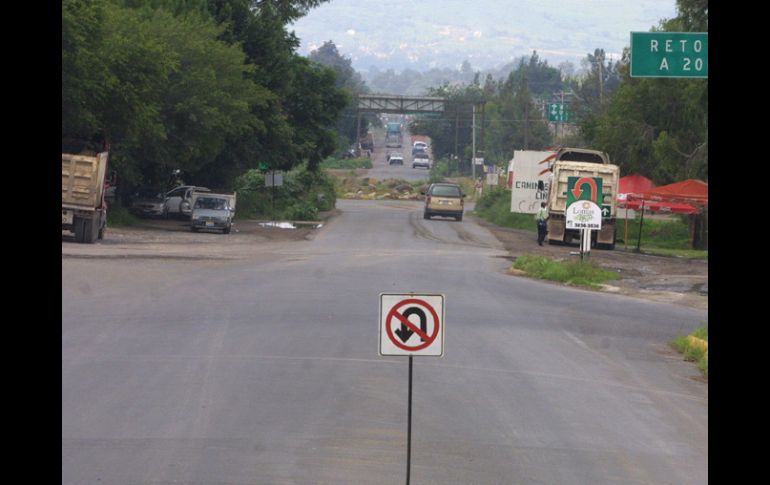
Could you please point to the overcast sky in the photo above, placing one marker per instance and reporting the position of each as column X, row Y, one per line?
column 442, row 33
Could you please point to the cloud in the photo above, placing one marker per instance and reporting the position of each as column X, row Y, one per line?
column 351, row 32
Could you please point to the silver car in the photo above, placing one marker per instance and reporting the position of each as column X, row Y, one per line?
column 179, row 200
column 213, row 212
column 147, row 202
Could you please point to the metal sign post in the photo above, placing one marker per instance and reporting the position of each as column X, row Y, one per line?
column 423, row 334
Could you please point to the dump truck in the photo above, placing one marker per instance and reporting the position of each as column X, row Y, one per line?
column 83, row 210
column 393, row 136
column 576, row 162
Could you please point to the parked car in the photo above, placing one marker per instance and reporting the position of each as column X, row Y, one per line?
column 444, row 199
column 179, row 200
column 147, row 202
column 396, row 160
column 213, row 212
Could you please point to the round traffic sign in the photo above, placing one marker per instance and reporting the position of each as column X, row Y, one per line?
column 400, row 336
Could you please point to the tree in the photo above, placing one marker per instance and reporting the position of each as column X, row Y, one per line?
column 348, row 80
column 657, row 127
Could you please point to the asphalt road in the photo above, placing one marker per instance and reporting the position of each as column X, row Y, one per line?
column 265, row 370
column 382, row 170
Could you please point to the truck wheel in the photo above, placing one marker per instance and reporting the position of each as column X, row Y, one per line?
column 89, row 231
column 79, row 229
column 425, row 215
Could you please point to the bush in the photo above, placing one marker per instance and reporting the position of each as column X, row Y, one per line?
column 346, row 163
column 302, row 196
column 693, row 352
column 118, row 216
column 495, row 207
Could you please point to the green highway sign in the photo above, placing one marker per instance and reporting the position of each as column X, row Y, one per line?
column 670, row 54
column 558, row 112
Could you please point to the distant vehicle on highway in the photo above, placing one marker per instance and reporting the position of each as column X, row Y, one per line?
column 444, row 199
column 396, row 160
column 421, row 160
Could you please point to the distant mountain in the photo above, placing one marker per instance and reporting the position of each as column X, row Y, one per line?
column 422, row 34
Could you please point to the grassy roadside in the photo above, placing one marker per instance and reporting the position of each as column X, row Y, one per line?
column 576, row 273
column 695, row 348
column 669, row 237
column 118, row 216
column 346, row 163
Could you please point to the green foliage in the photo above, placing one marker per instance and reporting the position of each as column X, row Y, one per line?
column 692, row 352
column 656, row 127
column 302, row 196
column 120, row 217
column 205, row 87
column 570, row 272
column 346, row 163
column 656, row 234
column 495, row 207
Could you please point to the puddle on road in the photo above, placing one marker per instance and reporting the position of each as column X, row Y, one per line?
column 292, row 225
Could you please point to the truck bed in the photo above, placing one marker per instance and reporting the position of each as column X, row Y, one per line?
column 82, row 180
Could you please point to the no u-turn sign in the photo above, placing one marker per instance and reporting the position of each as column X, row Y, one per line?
column 411, row 324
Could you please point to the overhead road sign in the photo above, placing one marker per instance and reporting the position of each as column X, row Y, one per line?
column 670, row 54
column 411, row 324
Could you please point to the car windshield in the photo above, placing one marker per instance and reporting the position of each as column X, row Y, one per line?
column 148, row 193
column 211, row 203
column 446, row 191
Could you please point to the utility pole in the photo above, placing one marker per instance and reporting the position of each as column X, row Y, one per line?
column 473, row 149
column 565, row 113
column 526, row 126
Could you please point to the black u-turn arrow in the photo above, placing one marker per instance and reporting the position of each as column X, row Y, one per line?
column 405, row 332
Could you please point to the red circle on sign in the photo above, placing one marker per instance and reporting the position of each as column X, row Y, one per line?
column 392, row 314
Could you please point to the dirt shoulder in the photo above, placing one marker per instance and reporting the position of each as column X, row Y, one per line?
column 655, row 278
column 173, row 239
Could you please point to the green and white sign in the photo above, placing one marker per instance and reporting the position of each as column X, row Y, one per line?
column 583, row 214
column 584, row 188
column 558, row 112
column 670, row 54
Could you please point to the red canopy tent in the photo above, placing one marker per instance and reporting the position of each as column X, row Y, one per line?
column 633, row 189
column 686, row 197
column 633, row 184
column 690, row 191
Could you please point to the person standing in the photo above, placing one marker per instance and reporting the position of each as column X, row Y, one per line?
column 542, row 218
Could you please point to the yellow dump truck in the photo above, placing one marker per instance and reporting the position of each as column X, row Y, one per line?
column 576, row 162
column 83, row 211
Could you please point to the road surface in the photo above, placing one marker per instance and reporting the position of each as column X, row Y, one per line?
column 265, row 370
